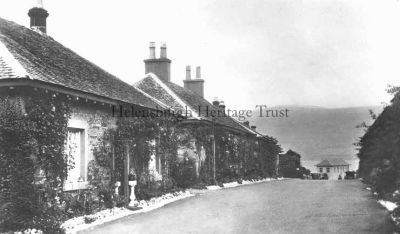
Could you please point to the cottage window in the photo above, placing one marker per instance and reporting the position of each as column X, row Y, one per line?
column 75, row 149
column 321, row 170
column 328, row 170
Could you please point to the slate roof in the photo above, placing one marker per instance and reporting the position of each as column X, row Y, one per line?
column 159, row 91
column 26, row 54
column 179, row 98
column 332, row 162
column 6, row 71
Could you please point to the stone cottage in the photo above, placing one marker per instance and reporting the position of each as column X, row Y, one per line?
column 32, row 61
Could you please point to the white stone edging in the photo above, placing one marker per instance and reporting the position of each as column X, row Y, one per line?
column 77, row 224
column 244, row 182
column 390, row 206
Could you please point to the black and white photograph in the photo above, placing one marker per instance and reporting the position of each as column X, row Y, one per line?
column 199, row 116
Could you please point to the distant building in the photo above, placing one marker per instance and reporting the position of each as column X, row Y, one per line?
column 333, row 168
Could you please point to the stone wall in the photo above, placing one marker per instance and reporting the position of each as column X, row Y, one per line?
column 97, row 119
column 93, row 120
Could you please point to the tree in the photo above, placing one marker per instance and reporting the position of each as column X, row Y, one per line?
column 380, row 148
column 289, row 164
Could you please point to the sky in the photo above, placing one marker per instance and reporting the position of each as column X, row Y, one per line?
column 325, row 53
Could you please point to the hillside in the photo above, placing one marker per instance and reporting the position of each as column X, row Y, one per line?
column 317, row 132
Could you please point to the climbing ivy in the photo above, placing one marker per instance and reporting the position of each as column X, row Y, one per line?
column 142, row 137
column 32, row 159
column 33, row 162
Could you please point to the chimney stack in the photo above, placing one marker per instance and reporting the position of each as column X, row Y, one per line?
column 195, row 85
column 246, row 123
column 215, row 102
column 38, row 16
column 161, row 67
column 253, row 127
column 188, row 73
column 222, row 105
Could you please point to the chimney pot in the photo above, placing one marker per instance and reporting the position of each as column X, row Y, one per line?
column 247, row 123
column 253, row 127
column 163, row 50
column 198, row 74
column 152, row 50
column 188, row 73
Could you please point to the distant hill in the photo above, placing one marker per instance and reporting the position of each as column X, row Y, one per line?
column 316, row 132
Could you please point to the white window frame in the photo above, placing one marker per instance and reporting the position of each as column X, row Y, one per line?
column 81, row 126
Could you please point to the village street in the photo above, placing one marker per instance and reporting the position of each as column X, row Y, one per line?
column 288, row 206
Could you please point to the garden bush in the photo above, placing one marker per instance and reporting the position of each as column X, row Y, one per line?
column 184, row 172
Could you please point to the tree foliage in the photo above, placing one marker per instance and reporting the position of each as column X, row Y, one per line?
column 289, row 164
column 380, row 148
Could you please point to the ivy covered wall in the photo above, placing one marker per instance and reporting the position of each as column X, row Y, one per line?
column 32, row 158
column 34, row 125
